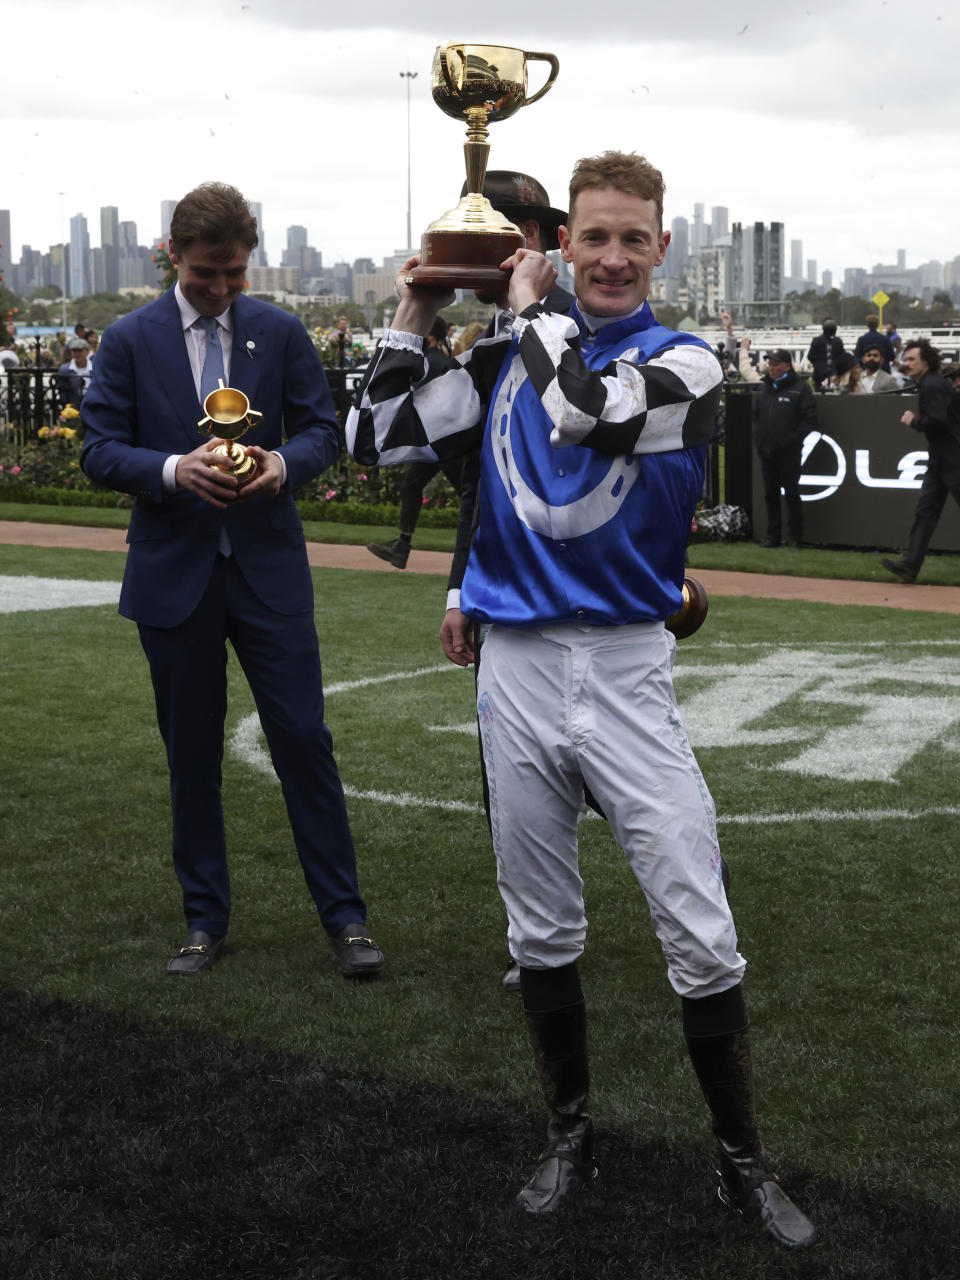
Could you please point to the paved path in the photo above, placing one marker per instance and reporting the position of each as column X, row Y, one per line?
column 761, row 586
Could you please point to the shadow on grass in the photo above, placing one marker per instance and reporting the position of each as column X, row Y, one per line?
column 128, row 1151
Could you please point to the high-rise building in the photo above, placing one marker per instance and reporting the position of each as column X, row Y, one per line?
column 826, row 280
column 854, row 282
column 110, row 247
column 79, row 257
column 60, row 267
column 166, row 213
column 719, row 222
column 679, row 248
column 296, row 241
column 258, row 257
column 812, row 270
column 6, row 254
column 796, row 259
column 698, row 232
column 757, row 262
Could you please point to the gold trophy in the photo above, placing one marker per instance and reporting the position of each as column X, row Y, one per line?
column 478, row 83
column 228, row 416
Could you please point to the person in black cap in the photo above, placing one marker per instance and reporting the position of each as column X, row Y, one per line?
column 784, row 410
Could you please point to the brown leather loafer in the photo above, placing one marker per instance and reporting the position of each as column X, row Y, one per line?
column 198, row 954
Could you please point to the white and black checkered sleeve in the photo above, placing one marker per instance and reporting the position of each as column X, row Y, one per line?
column 669, row 401
column 405, row 412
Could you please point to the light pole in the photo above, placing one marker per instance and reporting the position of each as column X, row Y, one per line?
column 408, row 76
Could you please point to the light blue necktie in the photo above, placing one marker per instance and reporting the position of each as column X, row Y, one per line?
column 213, row 358
column 210, row 377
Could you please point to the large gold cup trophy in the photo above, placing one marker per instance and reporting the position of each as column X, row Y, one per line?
column 480, row 84
column 228, row 417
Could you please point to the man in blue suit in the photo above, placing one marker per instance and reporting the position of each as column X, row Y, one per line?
column 211, row 560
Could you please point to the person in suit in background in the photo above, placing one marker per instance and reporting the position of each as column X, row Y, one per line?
column 825, row 350
column 210, row 560
column 938, row 417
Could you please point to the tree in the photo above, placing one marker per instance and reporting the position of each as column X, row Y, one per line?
column 46, row 292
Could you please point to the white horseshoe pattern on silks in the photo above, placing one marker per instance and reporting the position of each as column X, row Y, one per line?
column 577, row 518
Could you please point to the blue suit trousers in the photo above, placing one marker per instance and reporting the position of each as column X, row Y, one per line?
column 280, row 658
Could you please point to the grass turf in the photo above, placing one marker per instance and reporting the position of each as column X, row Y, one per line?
column 847, row 922
column 140, row 1152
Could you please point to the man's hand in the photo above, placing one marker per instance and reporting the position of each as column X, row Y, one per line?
column 907, row 418
column 456, row 636
column 419, row 304
column 533, row 278
column 745, row 344
column 269, row 475
column 726, row 318
column 198, row 472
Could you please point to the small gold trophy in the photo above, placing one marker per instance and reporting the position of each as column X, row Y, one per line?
column 478, row 83
column 228, row 416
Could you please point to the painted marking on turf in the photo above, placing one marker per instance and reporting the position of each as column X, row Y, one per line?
column 23, row 593
column 246, row 744
column 893, row 710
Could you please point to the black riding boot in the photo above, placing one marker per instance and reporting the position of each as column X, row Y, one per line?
column 558, row 1034
column 721, row 1059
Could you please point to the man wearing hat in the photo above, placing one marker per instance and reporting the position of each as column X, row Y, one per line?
column 525, row 202
column 73, row 376
column 784, row 410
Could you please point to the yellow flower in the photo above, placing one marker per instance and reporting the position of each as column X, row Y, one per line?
column 44, row 432
column 71, row 411
column 68, row 433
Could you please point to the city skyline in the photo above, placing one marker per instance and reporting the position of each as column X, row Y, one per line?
column 304, row 108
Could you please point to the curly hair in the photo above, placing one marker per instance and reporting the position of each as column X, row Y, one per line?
column 928, row 352
column 624, row 171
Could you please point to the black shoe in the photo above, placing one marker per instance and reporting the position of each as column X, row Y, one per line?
column 903, row 572
column 198, row 954
column 770, row 542
column 396, row 553
column 355, row 954
column 565, row 1168
column 511, row 979
column 751, row 1188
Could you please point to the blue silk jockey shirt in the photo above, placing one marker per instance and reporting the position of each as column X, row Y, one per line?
column 570, row 534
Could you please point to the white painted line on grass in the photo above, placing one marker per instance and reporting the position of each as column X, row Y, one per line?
column 841, row 815
column 19, row 594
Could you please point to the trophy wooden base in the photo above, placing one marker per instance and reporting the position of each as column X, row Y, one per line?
column 448, row 276
column 691, row 614
column 466, row 258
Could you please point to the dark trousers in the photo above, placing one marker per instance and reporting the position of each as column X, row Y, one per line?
column 941, row 478
column 280, row 658
column 416, row 476
column 782, row 470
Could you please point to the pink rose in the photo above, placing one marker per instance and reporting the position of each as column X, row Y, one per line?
column 361, row 477
column 15, row 470
column 331, row 493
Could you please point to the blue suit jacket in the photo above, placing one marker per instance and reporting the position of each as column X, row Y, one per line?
column 142, row 406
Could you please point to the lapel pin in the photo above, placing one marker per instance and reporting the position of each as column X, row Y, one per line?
column 251, row 347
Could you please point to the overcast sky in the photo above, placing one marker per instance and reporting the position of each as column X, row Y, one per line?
column 838, row 118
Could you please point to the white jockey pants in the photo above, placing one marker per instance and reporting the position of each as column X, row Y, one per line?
column 565, row 705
